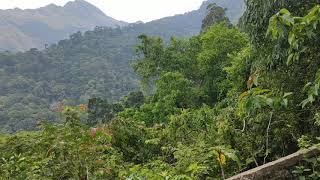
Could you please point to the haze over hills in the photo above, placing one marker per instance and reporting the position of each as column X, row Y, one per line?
column 33, row 28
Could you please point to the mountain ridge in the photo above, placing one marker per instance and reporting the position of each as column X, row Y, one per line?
column 24, row 29
column 33, row 28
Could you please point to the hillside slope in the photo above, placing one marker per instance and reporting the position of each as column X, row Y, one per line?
column 33, row 28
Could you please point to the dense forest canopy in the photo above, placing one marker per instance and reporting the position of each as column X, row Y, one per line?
column 213, row 105
column 97, row 63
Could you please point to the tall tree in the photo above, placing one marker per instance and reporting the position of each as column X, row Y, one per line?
column 215, row 14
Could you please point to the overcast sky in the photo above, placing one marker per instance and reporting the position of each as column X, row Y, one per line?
column 127, row 10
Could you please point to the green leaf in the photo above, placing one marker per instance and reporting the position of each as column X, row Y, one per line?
column 290, row 58
column 291, row 38
column 304, row 103
column 285, row 103
column 307, row 86
column 284, row 11
column 316, row 89
column 287, row 94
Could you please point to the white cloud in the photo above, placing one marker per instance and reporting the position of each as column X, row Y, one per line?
column 127, row 10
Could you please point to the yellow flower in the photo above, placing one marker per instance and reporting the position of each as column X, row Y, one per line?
column 222, row 159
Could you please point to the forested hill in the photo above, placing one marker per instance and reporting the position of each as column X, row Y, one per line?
column 96, row 63
column 33, row 28
column 189, row 24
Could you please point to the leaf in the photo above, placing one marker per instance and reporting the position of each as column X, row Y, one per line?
column 310, row 98
column 192, row 167
column 243, row 95
column 291, row 38
column 287, row 94
column 316, row 89
column 307, row 170
column 269, row 102
column 284, row 11
column 155, row 141
column 304, row 103
column 255, row 81
column 285, row 103
column 307, row 86
column 290, row 57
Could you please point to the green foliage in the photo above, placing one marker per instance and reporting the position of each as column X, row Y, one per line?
column 309, row 168
column 216, row 14
column 219, row 103
column 100, row 111
column 92, row 64
column 218, row 43
column 301, row 33
column 133, row 99
column 60, row 151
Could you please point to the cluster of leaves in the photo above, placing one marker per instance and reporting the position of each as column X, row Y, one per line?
column 101, row 112
column 309, row 167
column 65, row 151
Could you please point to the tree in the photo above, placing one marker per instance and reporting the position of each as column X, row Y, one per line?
column 215, row 15
column 100, row 111
column 218, row 43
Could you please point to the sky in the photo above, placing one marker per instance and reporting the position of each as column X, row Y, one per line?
column 126, row 10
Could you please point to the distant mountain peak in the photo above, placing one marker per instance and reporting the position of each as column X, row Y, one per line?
column 138, row 22
column 28, row 28
column 82, row 6
column 51, row 6
column 79, row 3
column 206, row 3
